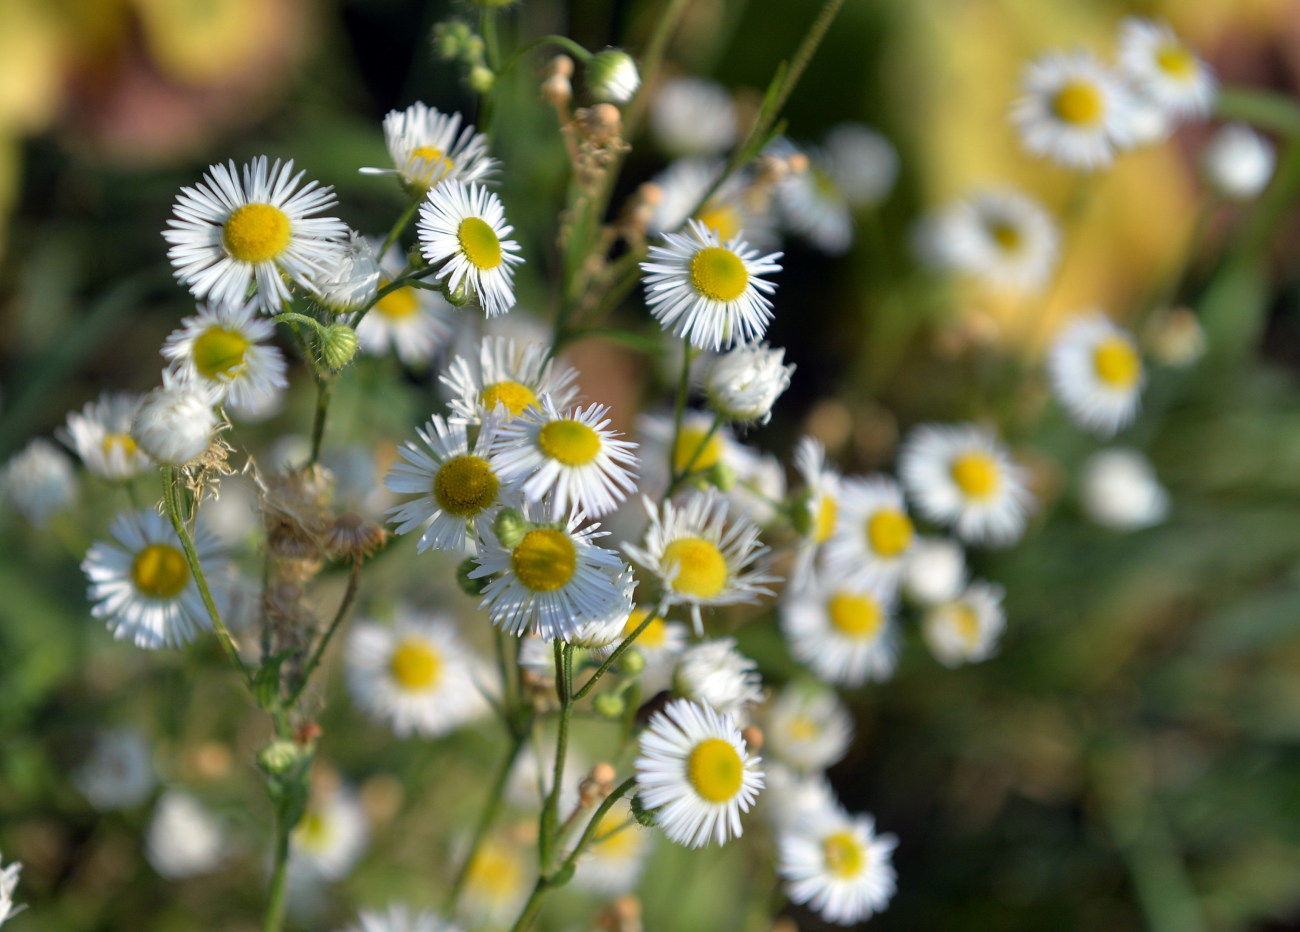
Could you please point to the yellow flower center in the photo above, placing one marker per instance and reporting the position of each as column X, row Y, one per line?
column 697, row 567
column 855, row 615
column 617, row 838
column 844, row 856
column 1176, row 61
column 545, row 560
column 655, row 633
column 124, row 442
column 715, row 770
column 571, row 442
column 722, row 219
column 513, row 395
column 889, row 531
column 824, row 521
column 1079, row 103
column 479, row 243
column 160, row 571
column 219, row 351
column 976, row 474
column 415, row 665
column 1116, row 363
column 966, row 621
column 692, row 450
column 256, row 233
column 427, row 165
column 465, row 485
column 313, row 832
column 803, row 728
column 718, row 274
column 1006, row 235
column 399, row 304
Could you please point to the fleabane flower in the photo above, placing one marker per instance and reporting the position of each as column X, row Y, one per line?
column 429, row 147
column 715, row 674
column 508, row 378
column 699, row 556
column 966, row 629
column 574, row 458
column 696, row 772
column 1096, row 373
column 457, row 488
column 1001, row 238
column 1238, row 162
column 807, row 727
column 842, row 630
column 837, row 865
column 413, row 322
column 399, row 918
column 331, row 836
column 816, row 511
column 1074, row 110
column 1118, row 489
column 862, row 162
column 612, row 76
column 101, row 435
column 353, row 278
column 38, row 481
column 697, row 447
column 141, row 583
column 873, row 533
column 960, row 476
column 693, row 116
column 231, row 231
column 812, row 205
column 221, row 347
column 659, row 643
column 1163, row 69
column 463, row 227
column 743, row 383
column 733, row 207
column 708, row 292
column 184, row 839
column 174, row 423
column 935, row 571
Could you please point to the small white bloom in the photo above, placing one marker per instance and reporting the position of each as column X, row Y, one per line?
column 1119, row 490
column 509, row 378
column 966, row 630
column 612, row 76
column 9, row 883
column 221, row 348
column 1164, row 70
column 1074, row 110
column 1238, row 162
column 331, row 837
column 604, row 633
column 428, row 147
column 715, row 674
column 699, row 448
column 816, row 511
column 414, row 322
column 497, row 881
column 118, row 773
column 183, row 839
column 813, row 205
column 398, row 918
column 174, row 423
column 745, row 382
column 734, row 207
column 841, row 630
column 873, row 534
column 935, row 571
column 101, row 435
column 693, row 116
column 352, row 280
column 807, row 727
column 464, row 226
column 1096, row 373
column 38, row 481
column 862, row 163
column 839, row 866
column 661, row 643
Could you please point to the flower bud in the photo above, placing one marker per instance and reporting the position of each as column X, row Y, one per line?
column 468, row 585
column 278, row 757
column 744, row 383
column 631, row 661
column 643, row 815
column 935, row 571
column 353, row 281
column 610, row 705
column 1238, row 162
column 450, row 39
column 612, row 76
column 338, row 344
column 481, row 79
column 174, row 423
column 510, row 528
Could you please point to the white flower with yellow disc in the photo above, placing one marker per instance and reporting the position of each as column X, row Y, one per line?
column 101, row 435
column 428, row 147
column 816, row 511
column 1074, row 110
column 727, row 212
column 807, row 727
column 222, row 347
column 873, row 533
column 463, row 228
column 837, row 865
column 966, row 629
column 1096, row 373
column 1001, row 238
column 841, row 630
column 699, row 448
column 507, row 379
column 1164, row 69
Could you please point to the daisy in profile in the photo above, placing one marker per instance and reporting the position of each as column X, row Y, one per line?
column 222, row 347
column 416, row 675
column 457, row 488
column 1164, row 69
column 1001, row 238
column 699, row 557
column 816, row 511
column 507, row 379
column 727, row 212
column 697, row 773
column 841, row 630
column 873, row 534
column 838, row 866
column 101, row 435
column 807, row 727
column 693, row 116
column 547, row 580
column 613, row 865
column 428, row 147
column 1074, row 110
column 708, row 292
column 960, row 476
column 966, row 630
column 141, row 583
column 399, row 918
column 574, row 458
column 232, row 231
column 464, row 226
column 715, row 674
column 1096, row 373
column 330, row 837
column 415, row 323
column 353, row 280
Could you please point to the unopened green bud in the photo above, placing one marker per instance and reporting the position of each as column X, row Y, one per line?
column 457, row 297
column 643, row 815
column 510, row 528
column 450, row 39
column 610, row 705
column 467, row 585
column 722, row 476
column 338, row 344
column 474, row 49
column 612, row 76
column 632, row 661
column 801, row 517
column 279, row 757
column 481, row 79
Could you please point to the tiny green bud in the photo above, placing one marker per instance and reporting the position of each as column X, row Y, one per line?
column 278, row 757
column 510, row 528
column 612, row 76
column 481, row 79
column 474, row 49
column 631, row 661
column 449, row 39
column 458, row 297
column 643, row 815
column 338, row 344
column 801, row 517
column 467, row 585
column 722, row 476
column 610, row 705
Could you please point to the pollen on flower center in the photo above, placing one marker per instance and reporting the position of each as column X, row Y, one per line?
column 718, row 273
column 824, row 524
column 428, row 165
column 1079, row 103
column 655, row 633
column 513, row 395
column 219, row 351
column 1006, row 235
column 697, row 567
column 399, row 304
column 722, row 219
column 415, row 664
column 256, row 233
column 844, row 855
column 889, row 531
column 465, row 485
column 857, row 616
column 967, row 623
column 479, row 243
column 571, row 442
column 976, row 474
column 1116, row 363
column 1176, row 61
column 692, row 449
column 545, row 560
column 715, row 770
column 160, row 571
column 124, row 442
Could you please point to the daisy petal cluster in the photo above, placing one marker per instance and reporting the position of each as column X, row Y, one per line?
column 1164, row 70
column 1096, row 373
column 428, row 147
column 463, row 227
column 222, row 348
column 838, row 865
column 1074, row 111
column 100, row 434
column 507, row 378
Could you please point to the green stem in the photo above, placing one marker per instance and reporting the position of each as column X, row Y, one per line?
column 1266, row 109
column 689, row 467
column 274, row 918
column 324, row 390
column 548, row 834
column 594, row 824
column 534, row 906
column 563, row 41
column 399, row 225
column 349, row 596
column 613, row 657
column 401, row 281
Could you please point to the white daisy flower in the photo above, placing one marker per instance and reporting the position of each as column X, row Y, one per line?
column 573, row 458
column 398, row 918
column 707, row 292
column 960, row 476
column 873, row 534
column 416, row 675
column 693, row 116
column 413, row 322
column 744, row 383
column 698, row 557
column 183, row 839
column 696, row 772
column 807, row 727
column 101, row 435
column 229, row 234
column 601, row 633
column 551, row 579
column 428, row 147
column 841, row 630
column 458, row 488
column 221, row 347
column 813, row 206
column 715, row 674
column 1164, row 70
column 1074, row 110
column 330, row 838
column 510, row 377
column 464, row 226
column 353, row 279
column 966, row 630
column 862, row 163
column 613, row 864
column 9, row 883
column 1001, row 237
column 1119, row 490
column 935, row 571
column 38, row 481
column 118, row 773
column 1096, row 373
column 838, row 866
column 816, row 511
column 142, row 585
column 727, row 212
column 175, row 422
column 1237, row 162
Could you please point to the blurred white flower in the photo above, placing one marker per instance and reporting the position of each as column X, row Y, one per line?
column 1119, row 489
column 1238, row 162
column 184, row 839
